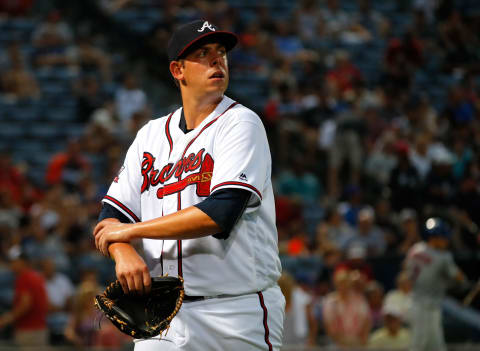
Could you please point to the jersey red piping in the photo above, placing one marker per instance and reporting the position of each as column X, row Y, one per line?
column 179, row 198
column 179, row 242
column 239, row 184
column 265, row 321
column 205, row 127
column 167, row 132
column 123, row 207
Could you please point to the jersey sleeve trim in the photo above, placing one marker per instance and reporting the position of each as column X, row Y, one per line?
column 121, row 207
column 240, row 184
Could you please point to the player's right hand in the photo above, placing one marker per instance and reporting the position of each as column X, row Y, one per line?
column 131, row 270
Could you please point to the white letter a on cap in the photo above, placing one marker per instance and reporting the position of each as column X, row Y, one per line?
column 206, row 25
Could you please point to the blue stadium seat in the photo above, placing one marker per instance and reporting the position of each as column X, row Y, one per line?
column 30, row 147
column 12, row 131
column 126, row 16
column 61, row 114
column 45, row 131
column 25, row 113
column 73, row 130
column 52, row 88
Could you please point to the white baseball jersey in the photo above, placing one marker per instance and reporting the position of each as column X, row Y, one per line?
column 166, row 170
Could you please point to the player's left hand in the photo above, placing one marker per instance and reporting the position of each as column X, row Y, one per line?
column 107, row 232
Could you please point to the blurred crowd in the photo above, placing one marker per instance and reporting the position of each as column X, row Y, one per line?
column 372, row 112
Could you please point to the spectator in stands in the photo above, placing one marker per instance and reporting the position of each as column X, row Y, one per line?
column 60, row 292
column 298, row 242
column 356, row 263
column 112, row 6
column 43, row 241
column 11, row 54
column 300, row 183
column 344, row 75
column 457, row 41
column 402, row 58
column 333, row 231
column 105, row 117
column 300, row 326
column 374, row 293
column 98, row 135
column 347, row 147
column 336, row 20
column 10, row 213
column 401, row 298
column 385, row 220
column 90, row 98
column 462, row 156
column 18, row 84
column 81, row 329
column 30, row 303
column 419, row 154
column 52, row 40
column 406, row 50
column 381, row 160
column 440, row 184
column 416, row 119
column 137, row 121
column 68, row 167
column 368, row 234
column 91, row 59
column 392, row 335
column 129, row 98
column 346, row 313
column 460, row 107
column 409, row 231
column 422, row 26
column 404, row 183
column 306, row 18
column 371, row 19
column 19, row 8
column 286, row 42
column 246, row 58
column 468, row 202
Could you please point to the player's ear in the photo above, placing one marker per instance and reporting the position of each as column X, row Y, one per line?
column 176, row 69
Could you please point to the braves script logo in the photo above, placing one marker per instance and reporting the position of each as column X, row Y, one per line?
column 206, row 25
column 190, row 163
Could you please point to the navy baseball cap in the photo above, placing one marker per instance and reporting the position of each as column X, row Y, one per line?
column 194, row 34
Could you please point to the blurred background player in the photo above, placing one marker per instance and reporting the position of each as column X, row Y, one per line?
column 431, row 268
column 30, row 303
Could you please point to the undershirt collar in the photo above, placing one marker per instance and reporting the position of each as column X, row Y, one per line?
column 183, row 123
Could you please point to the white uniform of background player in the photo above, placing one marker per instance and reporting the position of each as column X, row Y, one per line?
column 167, row 170
column 432, row 269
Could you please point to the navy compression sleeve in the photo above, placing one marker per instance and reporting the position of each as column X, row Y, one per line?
column 225, row 207
column 108, row 211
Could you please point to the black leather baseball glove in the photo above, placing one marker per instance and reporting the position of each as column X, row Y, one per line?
column 142, row 316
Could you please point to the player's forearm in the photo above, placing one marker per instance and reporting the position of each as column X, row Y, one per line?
column 117, row 250
column 189, row 223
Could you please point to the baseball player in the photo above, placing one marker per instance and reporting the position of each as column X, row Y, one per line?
column 432, row 269
column 195, row 187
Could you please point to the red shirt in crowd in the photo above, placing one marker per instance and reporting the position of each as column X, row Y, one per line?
column 32, row 283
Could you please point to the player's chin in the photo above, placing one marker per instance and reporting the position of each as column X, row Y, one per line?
column 219, row 85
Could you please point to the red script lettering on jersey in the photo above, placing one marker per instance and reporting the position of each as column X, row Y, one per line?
column 202, row 178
